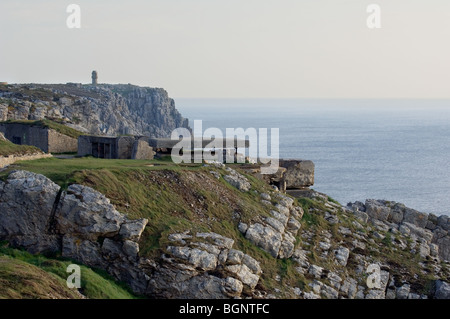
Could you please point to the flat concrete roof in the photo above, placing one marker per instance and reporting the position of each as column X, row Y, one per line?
column 226, row 143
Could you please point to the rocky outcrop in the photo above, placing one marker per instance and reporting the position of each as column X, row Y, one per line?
column 84, row 226
column 329, row 253
column 26, row 209
column 237, row 180
column 275, row 233
column 203, row 265
column 80, row 223
column 101, row 109
column 429, row 232
column 442, row 290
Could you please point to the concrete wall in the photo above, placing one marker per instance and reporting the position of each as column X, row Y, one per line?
column 5, row 161
column 299, row 173
column 27, row 134
column 60, row 143
column 92, row 145
column 141, row 150
column 84, row 145
column 125, row 146
column 47, row 140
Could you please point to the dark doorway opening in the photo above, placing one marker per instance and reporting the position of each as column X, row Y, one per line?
column 17, row 140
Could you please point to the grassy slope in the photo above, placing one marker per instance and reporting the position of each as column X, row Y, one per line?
column 176, row 198
column 8, row 148
column 23, row 275
column 20, row 280
column 61, row 128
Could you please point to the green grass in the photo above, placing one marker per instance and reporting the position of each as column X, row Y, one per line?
column 307, row 203
column 387, row 240
column 59, row 127
column 95, row 284
column 20, row 280
column 330, row 199
column 62, row 171
column 8, row 148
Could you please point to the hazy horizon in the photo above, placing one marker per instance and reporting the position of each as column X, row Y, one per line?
column 234, row 49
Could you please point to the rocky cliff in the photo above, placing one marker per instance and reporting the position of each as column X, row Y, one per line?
column 102, row 109
column 276, row 247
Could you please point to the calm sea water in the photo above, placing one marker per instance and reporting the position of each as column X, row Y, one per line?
column 384, row 149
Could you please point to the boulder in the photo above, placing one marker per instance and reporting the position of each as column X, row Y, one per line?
column 287, row 248
column 335, row 280
column 239, row 181
column 280, row 217
column 310, row 295
column 424, row 249
column 356, row 206
column 130, row 248
column 244, row 274
column 235, row 257
column 83, row 251
column 87, row 213
column 361, row 216
column 232, row 287
column 329, row 292
column 442, row 290
column 397, row 213
column 252, row 264
column 299, row 174
column 403, row 292
column 132, row 229
column 285, row 201
column 27, row 211
column 202, row 259
column 316, row 271
column 444, row 248
column 264, row 237
column 220, row 241
column 375, row 294
column 349, row 287
column 282, row 209
column 444, row 222
column 377, row 210
column 111, row 249
column 341, row 255
column 414, row 217
column 275, row 224
column 416, row 231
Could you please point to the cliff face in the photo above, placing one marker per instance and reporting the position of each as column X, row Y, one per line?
column 101, row 110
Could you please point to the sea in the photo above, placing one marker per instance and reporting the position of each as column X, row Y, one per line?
column 396, row 150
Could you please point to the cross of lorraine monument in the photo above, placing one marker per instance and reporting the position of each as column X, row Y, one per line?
column 94, row 77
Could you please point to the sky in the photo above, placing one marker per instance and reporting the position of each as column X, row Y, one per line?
column 234, row 48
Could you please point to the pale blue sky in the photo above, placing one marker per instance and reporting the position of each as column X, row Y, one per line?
column 234, row 48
